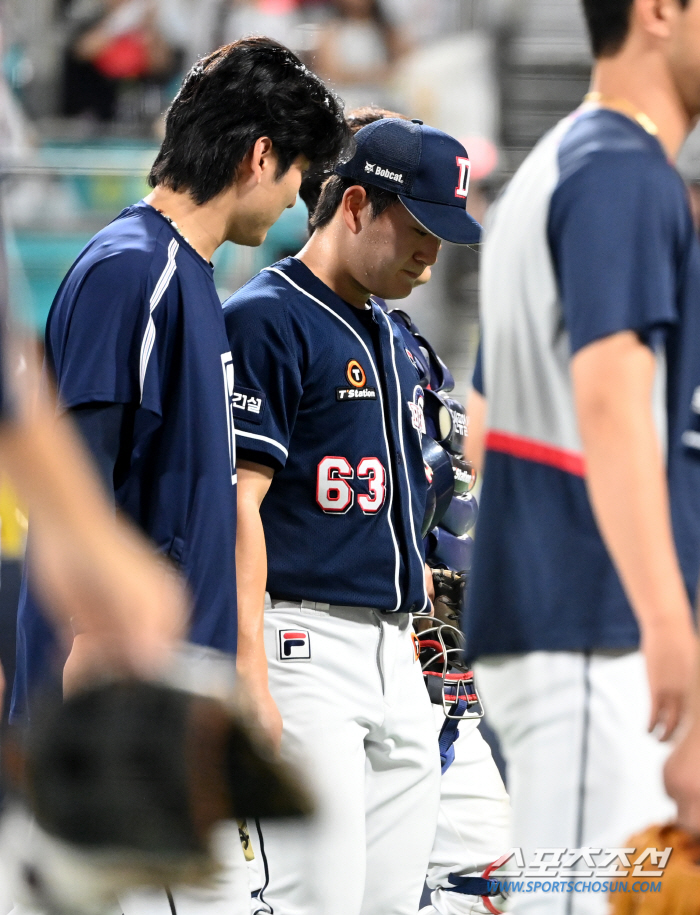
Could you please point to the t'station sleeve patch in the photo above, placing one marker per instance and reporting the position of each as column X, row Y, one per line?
column 249, row 405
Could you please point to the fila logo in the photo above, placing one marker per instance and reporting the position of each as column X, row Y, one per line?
column 464, row 167
column 294, row 645
column 380, row 172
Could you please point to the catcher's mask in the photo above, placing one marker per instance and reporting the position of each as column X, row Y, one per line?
column 449, row 681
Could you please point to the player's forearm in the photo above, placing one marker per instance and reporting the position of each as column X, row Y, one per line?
column 47, row 464
column 476, row 439
column 251, row 572
column 627, row 482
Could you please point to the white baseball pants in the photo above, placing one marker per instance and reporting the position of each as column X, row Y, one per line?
column 227, row 894
column 358, row 720
column 582, row 769
column 474, row 821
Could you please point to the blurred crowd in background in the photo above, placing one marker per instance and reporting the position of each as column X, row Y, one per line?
column 90, row 79
column 84, row 85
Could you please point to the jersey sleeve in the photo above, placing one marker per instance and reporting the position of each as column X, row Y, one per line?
column 267, row 377
column 95, row 331
column 613, row 229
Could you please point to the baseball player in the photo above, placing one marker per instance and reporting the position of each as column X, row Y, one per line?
column 473, row 823
column 137, row 343
column 590, row 314
column 331, row 500
column 93, row 570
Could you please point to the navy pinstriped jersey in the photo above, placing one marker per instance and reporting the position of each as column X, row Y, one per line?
column 592, row 237
column 137, row 321
column 326, row 395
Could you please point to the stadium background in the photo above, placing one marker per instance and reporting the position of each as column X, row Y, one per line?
column 81, row 128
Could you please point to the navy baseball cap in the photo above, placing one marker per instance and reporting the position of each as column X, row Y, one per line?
column 428, row 169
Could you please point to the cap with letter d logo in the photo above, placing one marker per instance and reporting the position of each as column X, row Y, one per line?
column 294, row 645
column 427, row 168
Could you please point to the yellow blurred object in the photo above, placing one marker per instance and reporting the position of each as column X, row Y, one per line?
column 13, row 523
column 679, row 893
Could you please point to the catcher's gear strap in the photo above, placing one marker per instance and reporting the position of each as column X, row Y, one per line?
column 449, row 732
column 472, row 886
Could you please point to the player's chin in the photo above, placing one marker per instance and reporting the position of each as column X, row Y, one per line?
column 252, row 238
column 398, row 287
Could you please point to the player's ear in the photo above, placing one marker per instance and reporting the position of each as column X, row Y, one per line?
column 655, row 17
column 261, row 160
column 354, row 206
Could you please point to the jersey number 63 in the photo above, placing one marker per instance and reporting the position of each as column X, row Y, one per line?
column 335, row 495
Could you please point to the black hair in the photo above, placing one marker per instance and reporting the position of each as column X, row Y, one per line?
column 608, row 24
column 332, row 196
column 368, row 114
column 315, row 177
column 251, row 88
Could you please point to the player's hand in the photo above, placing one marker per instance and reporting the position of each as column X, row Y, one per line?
column 670, row 650
column 264, row 708
column 682, row 779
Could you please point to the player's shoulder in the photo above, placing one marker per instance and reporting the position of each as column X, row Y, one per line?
column 270, row 297
column 130, row 248
column 602, row 142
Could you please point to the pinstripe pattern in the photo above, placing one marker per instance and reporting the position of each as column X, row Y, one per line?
column 149, row 337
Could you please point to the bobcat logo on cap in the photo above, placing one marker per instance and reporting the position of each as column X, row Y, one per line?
column 380, row 172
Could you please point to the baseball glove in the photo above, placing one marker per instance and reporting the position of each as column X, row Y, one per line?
column 127, row 782
column 450, row 592
column 679, row 882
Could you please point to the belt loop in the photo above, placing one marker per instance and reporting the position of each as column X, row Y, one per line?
column 315, row 605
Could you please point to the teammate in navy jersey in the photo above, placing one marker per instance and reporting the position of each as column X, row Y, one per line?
column 94, row 569
column 137, row 342
column 590, row 320
column 332, row 485
column 474, row 817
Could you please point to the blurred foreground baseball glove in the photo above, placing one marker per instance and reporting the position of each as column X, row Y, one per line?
column 126, row 782
column 680, row 878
